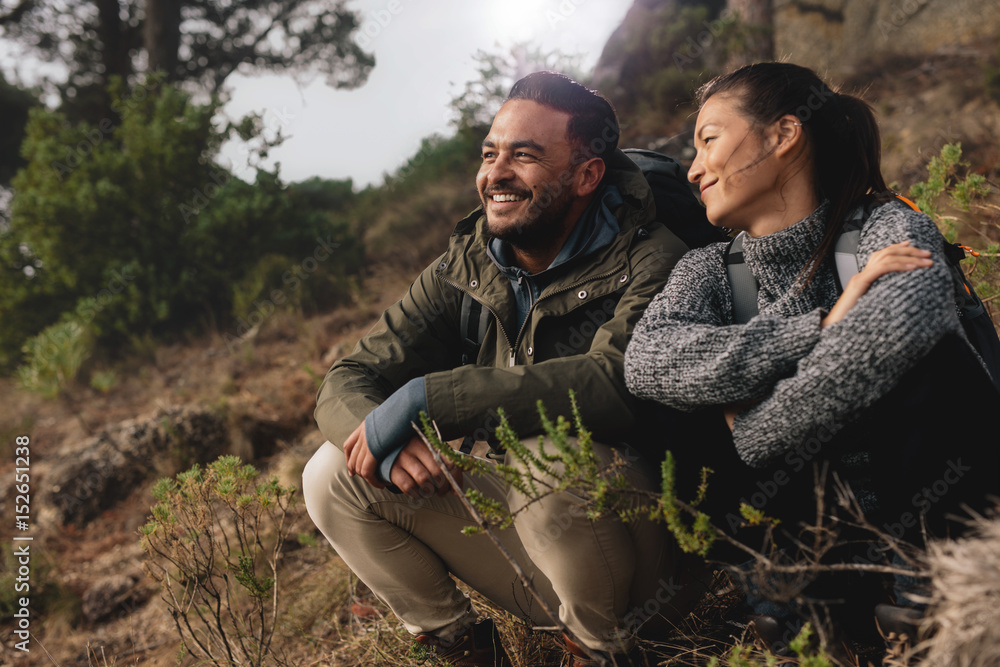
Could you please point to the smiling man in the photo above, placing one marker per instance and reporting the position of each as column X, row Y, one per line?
column 536, row 295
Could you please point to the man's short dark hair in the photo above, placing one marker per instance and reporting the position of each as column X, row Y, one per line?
column 593, row 124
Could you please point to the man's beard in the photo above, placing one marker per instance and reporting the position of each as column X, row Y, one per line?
column 538, row 227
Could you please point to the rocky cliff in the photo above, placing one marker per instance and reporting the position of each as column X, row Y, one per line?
column 837, row 37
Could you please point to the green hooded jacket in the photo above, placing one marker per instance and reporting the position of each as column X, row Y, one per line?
column 574, row 336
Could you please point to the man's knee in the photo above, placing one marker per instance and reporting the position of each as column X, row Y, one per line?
column 323, row 478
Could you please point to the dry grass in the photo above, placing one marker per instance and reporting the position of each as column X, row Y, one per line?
column 965, row 599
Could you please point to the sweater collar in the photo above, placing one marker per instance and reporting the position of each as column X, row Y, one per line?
column 779, row 259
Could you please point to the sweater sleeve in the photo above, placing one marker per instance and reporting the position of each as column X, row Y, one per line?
column 686, row 353
column 860, row 358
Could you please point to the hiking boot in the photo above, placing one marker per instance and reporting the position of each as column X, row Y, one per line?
column 479, row 646
column 634, row 658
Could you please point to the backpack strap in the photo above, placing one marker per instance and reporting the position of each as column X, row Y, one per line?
column 845, row 258
column 473, row 323
column 741, row 281
column 845, row 250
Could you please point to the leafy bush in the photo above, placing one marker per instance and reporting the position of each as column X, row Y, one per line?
column 943, row 178
column 54, row 357
column 949, row 177
column 135, row 215
column 213, row 544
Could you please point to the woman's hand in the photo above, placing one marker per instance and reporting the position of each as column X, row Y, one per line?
column 898, row 257
column 730, row 411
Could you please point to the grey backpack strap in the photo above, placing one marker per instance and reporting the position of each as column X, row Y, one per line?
column 472, row 327
column 741, row 281
column 845, row 251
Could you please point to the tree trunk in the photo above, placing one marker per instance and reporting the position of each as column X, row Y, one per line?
column 161, row 35
column 115, row 54
column 757, row 29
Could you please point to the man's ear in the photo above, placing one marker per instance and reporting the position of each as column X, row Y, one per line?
column 789, row 134
column 588, row 176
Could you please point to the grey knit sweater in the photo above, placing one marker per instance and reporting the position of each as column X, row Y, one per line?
column 687, row 353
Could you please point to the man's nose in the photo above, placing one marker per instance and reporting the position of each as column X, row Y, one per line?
column 501, row 169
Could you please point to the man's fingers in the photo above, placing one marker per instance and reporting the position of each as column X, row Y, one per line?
column 368, row 469
column 411, row 480
column 355, row 442
column 445, row 489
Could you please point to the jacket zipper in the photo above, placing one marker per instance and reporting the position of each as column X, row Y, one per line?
column 496, row 316
column 511, row 359
column 552, row 294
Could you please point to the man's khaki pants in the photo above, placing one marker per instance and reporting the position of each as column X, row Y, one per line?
column 604, row 577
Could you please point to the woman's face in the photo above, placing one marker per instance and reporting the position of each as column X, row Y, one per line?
column 734, row 165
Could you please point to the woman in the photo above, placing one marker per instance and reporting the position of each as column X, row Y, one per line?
column 865, row 380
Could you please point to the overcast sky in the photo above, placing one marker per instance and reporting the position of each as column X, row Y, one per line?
column 423, row 51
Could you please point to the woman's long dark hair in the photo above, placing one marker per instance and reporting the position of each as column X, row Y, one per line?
column 841, row 129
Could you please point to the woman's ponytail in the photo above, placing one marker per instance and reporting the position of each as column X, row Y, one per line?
column 847, row 162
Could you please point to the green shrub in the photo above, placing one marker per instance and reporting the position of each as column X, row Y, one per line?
column 133, row 222
column 943, row 177
column 213, row 543
column 53, row 358
column 104, row 381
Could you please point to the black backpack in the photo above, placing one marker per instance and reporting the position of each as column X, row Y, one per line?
column 971, row 311
column 676, row 208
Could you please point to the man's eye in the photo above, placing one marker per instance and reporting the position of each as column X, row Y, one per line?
column 488, row 155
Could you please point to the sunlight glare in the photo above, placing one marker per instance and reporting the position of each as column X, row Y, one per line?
column 514, row 21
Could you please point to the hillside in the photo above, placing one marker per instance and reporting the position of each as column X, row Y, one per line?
column 202, row 395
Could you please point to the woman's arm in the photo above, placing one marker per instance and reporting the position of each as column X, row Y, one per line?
column 891, row 259
column 861, row 356
column 686, row 353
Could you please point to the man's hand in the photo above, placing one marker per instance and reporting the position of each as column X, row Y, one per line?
column 415, row 472
column 359, row 459
column 418, row 475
